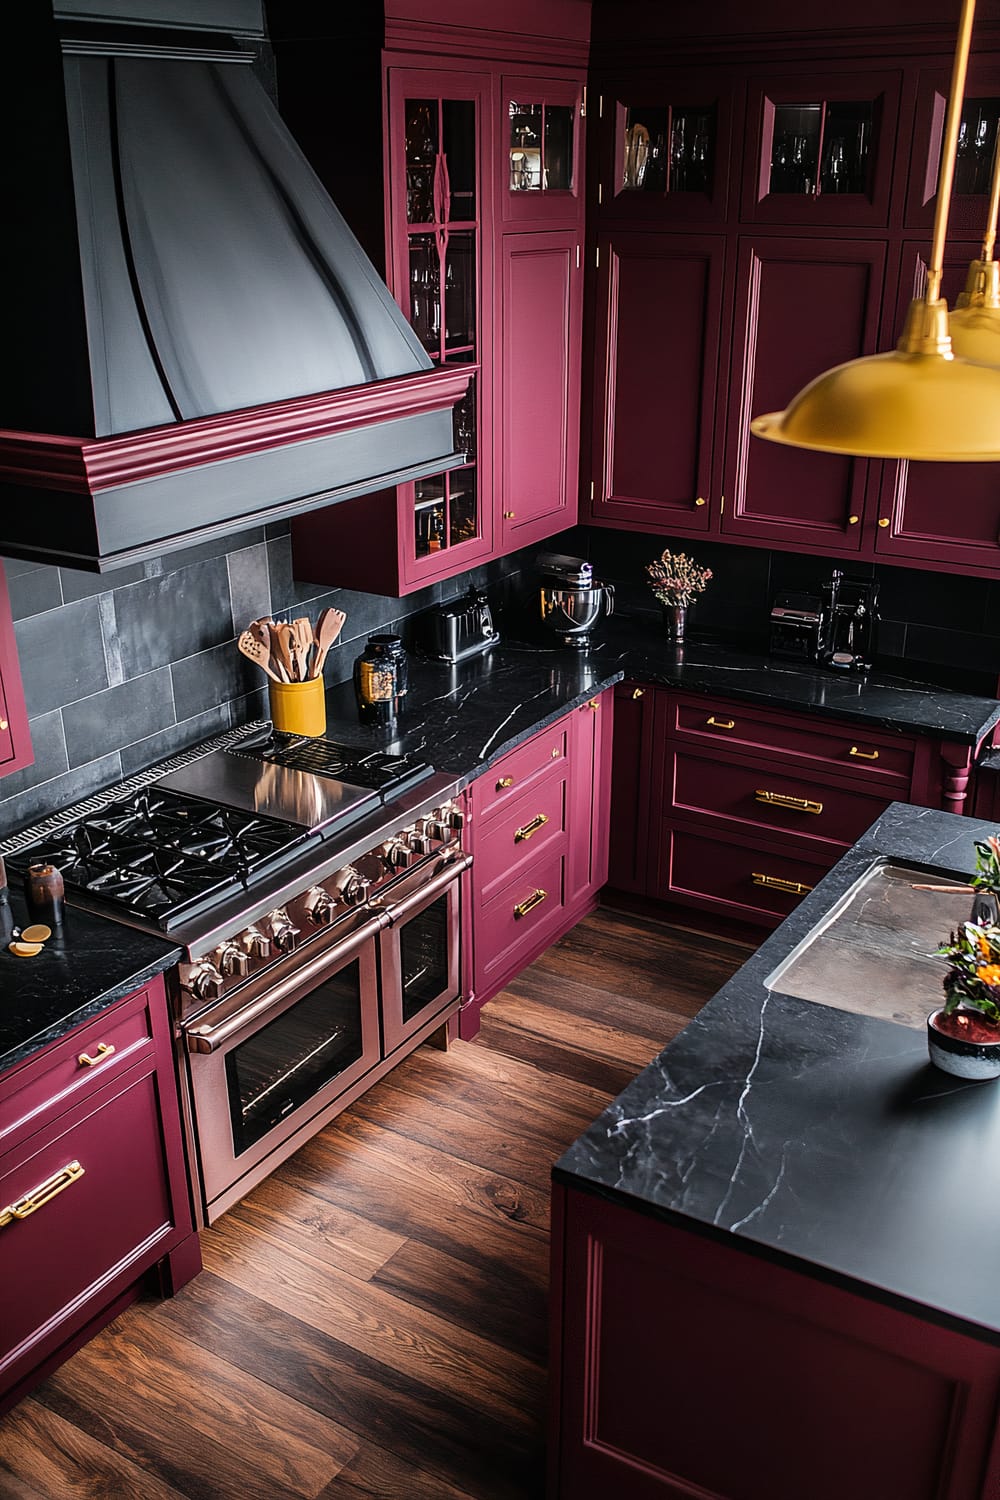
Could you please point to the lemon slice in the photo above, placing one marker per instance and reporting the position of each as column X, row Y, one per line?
column 39, row 933
column 25, row 950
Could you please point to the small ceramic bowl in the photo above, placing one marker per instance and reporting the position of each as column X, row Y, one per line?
column 963, row 1059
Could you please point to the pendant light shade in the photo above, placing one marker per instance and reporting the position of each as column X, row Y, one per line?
column 919, row 401
column 975, row 323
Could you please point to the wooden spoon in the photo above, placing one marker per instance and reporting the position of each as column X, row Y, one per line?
column 328, row 627
column 302, row 636
column 252, row 648
column 281, row 635
column 258, row 629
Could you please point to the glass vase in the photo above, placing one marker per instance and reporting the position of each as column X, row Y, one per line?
column 675, row 620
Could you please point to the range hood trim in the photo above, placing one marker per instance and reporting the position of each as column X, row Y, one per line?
column 86, row 466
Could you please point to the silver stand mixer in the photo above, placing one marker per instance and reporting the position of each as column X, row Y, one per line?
column 571, row 602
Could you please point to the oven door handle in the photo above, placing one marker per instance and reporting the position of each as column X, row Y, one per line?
column 211, row 1038
column 397, row 911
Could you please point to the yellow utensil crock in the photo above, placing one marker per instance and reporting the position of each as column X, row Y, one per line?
column 298, row 707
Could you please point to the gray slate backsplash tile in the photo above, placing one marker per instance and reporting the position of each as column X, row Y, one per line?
column 49, row 747
column 119, row 716
column 211, row 677
column 34, row 589
column 177, row 737
column 249, row 585
column 178, row 614
column 62, row 656
column 49, row 796
column 79, row 585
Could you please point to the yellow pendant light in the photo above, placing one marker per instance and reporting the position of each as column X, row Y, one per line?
column 919, row 401
column 975, row 323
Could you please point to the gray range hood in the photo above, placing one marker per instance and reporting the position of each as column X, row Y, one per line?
column 193, row 340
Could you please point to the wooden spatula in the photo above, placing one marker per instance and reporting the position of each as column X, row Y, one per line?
column 302, row 639
column 328, row 627
column 258, row 629
column 252, row 648
column 281, row 636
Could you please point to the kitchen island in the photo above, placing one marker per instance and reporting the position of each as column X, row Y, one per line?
column 775, row 1253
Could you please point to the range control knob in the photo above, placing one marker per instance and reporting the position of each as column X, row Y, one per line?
column 257, row 943
column 232, row 960
column 349, row 886
column 397, row 853
column 437, row 826
column 319, row 905
column 454, row 817
column 419, row 841
column 204, row 981
column 283, row 931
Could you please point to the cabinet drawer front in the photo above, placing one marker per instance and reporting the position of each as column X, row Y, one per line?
column 515, row 772
column 73, row 1068
column 755, row 882
column 874, row 758
column 520, row 833
column 751, row 797
column 92, row 1237
column 516, row 917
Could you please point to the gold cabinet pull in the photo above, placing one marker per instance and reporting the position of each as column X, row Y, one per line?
column 638, row 693
column 853, row 520
column 42, row 1194
column 103, row 1050
column 510, row 515
column 794, row 804
column 775, row 883
column 535, row 899
column 504, row 783
column 3, row 724
column 701, row 501
column 537, row 822
column 863, row 754
column 556, row 753
column 720, row 723
column 884, row 522
column 594, row 704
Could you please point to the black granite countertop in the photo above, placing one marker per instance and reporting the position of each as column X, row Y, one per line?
column 81, row 970
column 815, row 1135
column 464, row 717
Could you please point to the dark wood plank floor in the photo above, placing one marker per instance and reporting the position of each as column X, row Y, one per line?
column 371, row 1320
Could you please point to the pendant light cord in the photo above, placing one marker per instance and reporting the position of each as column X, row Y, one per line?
column 989, row 237
column 949, row 149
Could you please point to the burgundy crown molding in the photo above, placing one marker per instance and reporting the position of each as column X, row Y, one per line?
column 85, row 466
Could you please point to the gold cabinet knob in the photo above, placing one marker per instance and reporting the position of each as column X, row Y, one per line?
column 504, row 783
column 593, row 704
column 884, row 521
column 700, row 501
column 853, row 520
column 3, row 724
column 509, row 515
column 638, row 693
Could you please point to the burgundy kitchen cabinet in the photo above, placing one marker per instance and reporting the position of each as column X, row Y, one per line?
column 542, row 308
column 976, row 140
column 94, row 1191
column 539, row 839
column 15, row 740
column 484, row 169
column 657, row 384
column 802, row 306
column 748, row 807
column 750, row 1381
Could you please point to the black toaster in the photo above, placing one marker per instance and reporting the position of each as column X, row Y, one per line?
column 796, row 626
column 460, row 628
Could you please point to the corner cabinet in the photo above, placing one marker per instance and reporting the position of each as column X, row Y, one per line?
column 15, row 739
column 538, row 821
column 94, row 1191
column 484, row 222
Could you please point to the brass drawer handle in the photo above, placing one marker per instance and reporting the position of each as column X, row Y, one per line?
column 638, row 693
column 594, row 704
column 775, row 883
column 556, row 753
column 42, row 1194
column 504, row 783
column 863, row 754
column 794, row 804
column 539, row 821
column 103, row 1049
column 535, row 899
column 720, row 723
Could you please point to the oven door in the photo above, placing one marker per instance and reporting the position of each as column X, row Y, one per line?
column 262, row 1073
column 419, row 954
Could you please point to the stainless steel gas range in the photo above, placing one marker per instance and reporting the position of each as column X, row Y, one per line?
column 315, row 890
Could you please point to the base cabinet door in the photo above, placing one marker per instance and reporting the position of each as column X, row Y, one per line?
column 749, row 1381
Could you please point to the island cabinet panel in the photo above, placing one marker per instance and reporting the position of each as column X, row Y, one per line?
column 751, row 1380
column 656, row 390
column 539, row 840
column 15, row 739
column 93, row 1185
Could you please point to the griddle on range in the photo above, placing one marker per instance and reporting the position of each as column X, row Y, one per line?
column 379, row 770
column 164, row 855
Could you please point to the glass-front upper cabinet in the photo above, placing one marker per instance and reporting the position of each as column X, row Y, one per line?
column 437, row 204
column 540, row 142
column 819, row 149
column 977, row 135
column 665, row 148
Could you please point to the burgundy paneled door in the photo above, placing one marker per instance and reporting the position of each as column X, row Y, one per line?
column 976, row 142
column 656, row 399
column 803, row 306
column 942, row 513
column 542, row 294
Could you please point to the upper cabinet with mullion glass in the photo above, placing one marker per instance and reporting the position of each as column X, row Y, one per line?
column 976, row 142
column 820, row 149
column 665, row 147
column 540, row 139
